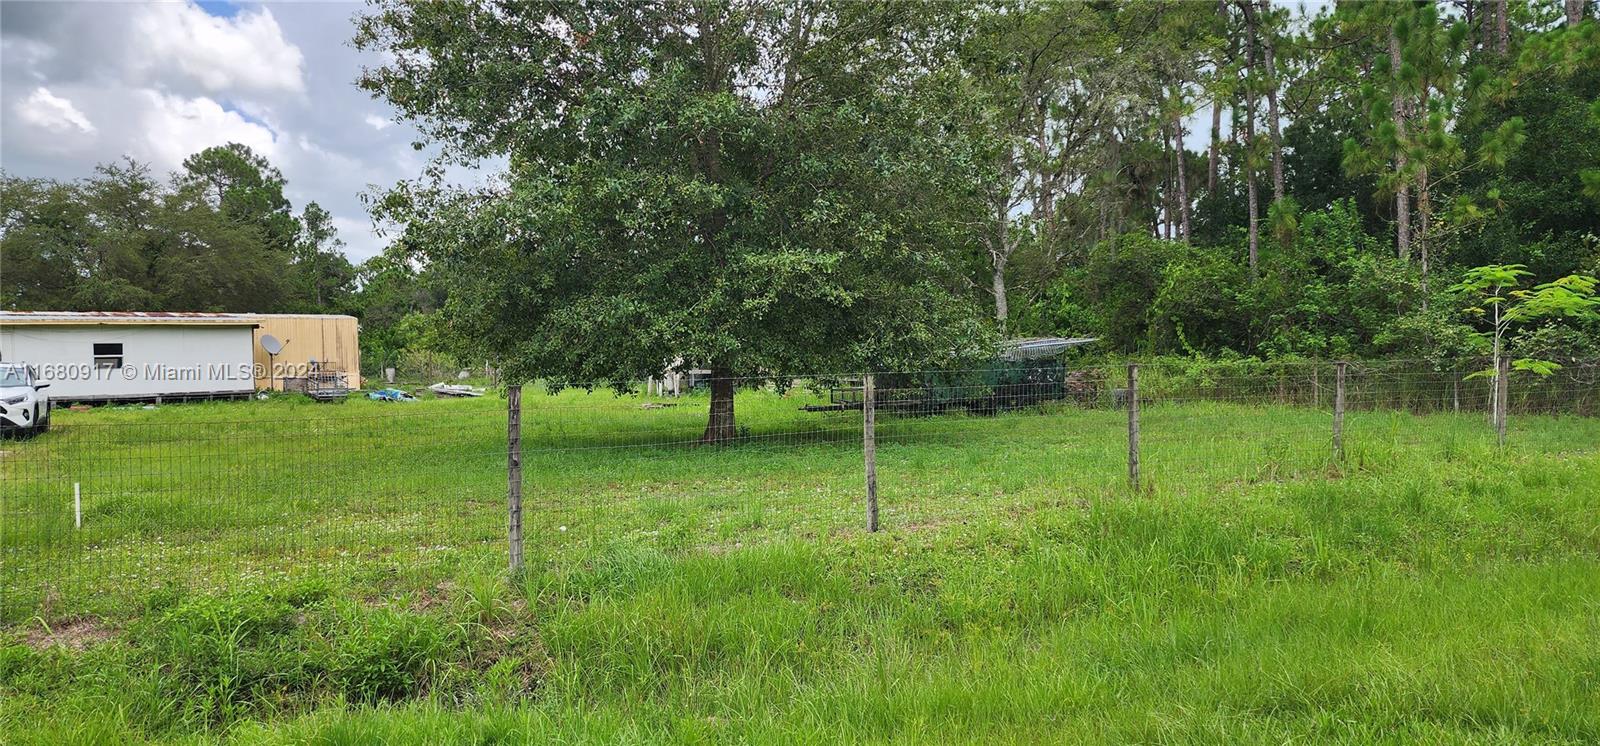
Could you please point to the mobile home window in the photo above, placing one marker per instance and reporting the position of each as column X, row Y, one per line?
column 107, row 355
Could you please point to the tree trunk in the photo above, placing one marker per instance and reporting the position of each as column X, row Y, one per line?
column 1272, row 117
column 1169, row 191
column 1574, row 12
column 1183, row 184
column 1479, row 18
column 720, row 426
column 1049, row 175
column 1216, row 144
column 1255, row 228
column 1002, row 309
column 1424, row 207
column 1000, row 248
column 1235, row 127
column 1216, row 109
column 1402, row 199
column 1502, row 27
column 1250, row 137
column 1110, row 191
column 799, row 35
column 718, row 79
column 1494, row 380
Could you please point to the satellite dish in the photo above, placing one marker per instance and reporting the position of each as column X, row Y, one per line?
column 271, row 344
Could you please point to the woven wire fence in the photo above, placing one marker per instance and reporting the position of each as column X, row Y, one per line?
column 116, row 503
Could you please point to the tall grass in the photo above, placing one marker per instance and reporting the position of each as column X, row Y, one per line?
column 276, row 573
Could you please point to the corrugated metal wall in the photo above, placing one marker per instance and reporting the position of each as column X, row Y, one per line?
column 330, row 340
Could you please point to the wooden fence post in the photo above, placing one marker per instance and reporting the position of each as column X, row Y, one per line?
column 1133, row 425
column 1338, row 411
column 514, row 473
column 1502, row 389
column 869, row 446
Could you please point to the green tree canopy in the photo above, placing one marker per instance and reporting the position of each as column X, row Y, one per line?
column 757, row 189
column 218, row 236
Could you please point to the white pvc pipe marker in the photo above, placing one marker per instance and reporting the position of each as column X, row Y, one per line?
column 77, row 506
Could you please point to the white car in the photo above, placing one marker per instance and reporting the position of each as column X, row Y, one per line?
column 23, row 404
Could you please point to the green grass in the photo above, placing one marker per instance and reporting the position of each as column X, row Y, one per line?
column 278, row 572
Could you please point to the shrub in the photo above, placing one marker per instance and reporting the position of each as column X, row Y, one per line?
column 383, row 655
column 211, row 660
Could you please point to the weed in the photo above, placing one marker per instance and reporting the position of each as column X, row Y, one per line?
column 1438, row 590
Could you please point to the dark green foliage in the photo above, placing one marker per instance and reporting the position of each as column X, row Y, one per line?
column 770, row 188
column 1331, row 290
column 1316, row 173
column 219, row 237
column 245, row 188
column 323, row 276
column 665, row 209
column 203, row 661
column 1540, row 215
column 1201, row 303
column 397, row 305
column 1497, row 154
column 1123, row 276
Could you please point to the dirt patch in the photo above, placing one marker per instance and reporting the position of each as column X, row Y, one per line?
column 432, row 597
column 74, row 634
column 932, row 524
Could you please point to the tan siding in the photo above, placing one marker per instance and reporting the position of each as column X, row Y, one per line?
column 329, row 339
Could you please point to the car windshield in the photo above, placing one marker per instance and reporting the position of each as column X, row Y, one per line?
column 12, row 376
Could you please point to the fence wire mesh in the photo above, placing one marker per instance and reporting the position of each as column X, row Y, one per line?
column 118, row 501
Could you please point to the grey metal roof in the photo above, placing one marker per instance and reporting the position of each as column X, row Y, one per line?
column 67, row 318
column 1034, row 348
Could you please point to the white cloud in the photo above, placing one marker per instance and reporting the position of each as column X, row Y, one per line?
column 361, row 243
column 160, row 82
column 46, row 110
column 173, row 127
column 244, row 53
column 26, row 54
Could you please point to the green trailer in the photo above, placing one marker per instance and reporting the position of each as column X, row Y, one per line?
column 1025, row 372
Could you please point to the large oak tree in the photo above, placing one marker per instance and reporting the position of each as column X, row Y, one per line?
column 759, row 189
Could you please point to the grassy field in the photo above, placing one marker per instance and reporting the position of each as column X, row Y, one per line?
column 280, row 572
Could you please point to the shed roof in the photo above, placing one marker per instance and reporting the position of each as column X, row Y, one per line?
column 145, row 318
column 1034, row 348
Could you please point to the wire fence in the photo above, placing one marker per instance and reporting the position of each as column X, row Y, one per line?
column 117, row 503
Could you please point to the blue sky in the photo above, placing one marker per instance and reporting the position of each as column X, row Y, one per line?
column 220, row 9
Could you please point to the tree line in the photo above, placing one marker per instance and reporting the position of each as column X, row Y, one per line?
column 218, row 235
column 769, row 187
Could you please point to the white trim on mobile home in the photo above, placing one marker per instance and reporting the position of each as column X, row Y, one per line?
column 133, row 356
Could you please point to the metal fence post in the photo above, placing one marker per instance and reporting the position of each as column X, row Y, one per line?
column 1338, row 410
column 514, row 473
column 1133, row 425
column 869, row 446
column 1502, row 389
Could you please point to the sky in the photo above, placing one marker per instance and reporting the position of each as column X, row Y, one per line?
column 86, row 83
column 83, row 83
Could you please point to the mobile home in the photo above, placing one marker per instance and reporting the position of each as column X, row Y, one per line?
column 331, row 340
column 96, row 356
